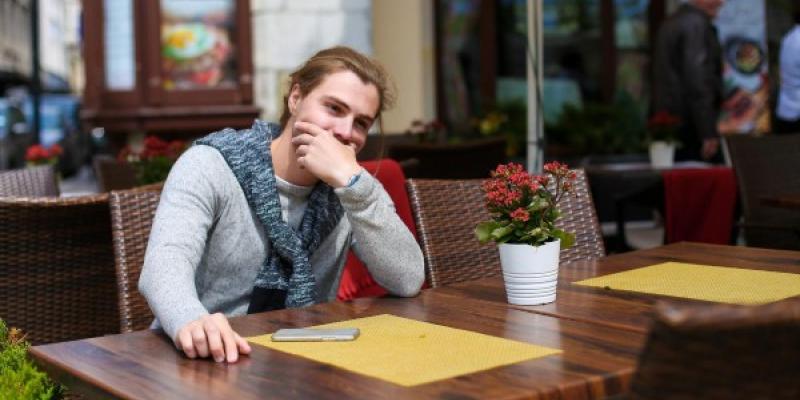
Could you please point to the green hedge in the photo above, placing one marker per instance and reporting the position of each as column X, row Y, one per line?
column 19, row 377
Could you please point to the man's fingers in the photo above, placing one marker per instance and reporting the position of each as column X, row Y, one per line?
column 308, row 128
column 215, row 346
column 301, row 150
column 302, row 139
column 199, row 341
column 185, row 343
column 228, row 338
column 244, row 347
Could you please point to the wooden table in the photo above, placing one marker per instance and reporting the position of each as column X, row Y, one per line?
column 600, row 332
column 790, row 200
column 627, row 310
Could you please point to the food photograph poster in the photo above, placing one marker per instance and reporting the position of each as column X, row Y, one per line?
column 741, row 25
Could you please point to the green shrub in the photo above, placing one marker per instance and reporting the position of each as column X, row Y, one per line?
column 19, row 377
column 600, row 128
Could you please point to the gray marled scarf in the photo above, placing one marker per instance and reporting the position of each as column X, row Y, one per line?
column 285, row 278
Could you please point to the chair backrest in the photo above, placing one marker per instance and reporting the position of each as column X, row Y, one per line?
column 721, row 351
column 57, row 267
column 112, row 174
column 447, row 211
column 132, row 213
column 578, row 215
column 767, row 165
column 468, row 160
column 39, row 181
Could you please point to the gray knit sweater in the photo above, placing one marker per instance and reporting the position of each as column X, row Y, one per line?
column 206, row 245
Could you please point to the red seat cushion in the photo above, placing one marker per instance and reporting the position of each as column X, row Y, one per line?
column 356, row 280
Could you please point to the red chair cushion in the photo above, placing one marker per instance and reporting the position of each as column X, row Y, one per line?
column 356, row 280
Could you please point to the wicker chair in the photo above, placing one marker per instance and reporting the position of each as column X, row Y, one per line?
column 57, row 267
column 447, row 211
column 721, row 351
column 38, row 181
column 767, row 166
column 132, row 213
column 579, row 216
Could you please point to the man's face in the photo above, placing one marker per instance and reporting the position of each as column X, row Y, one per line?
column 710, row 7
column 341, row 104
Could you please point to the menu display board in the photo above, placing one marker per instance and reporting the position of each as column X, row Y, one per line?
column 197, row 44
column 742, row 33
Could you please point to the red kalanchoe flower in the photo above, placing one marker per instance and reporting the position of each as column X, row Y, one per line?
column 520, row 214
column 524, row 206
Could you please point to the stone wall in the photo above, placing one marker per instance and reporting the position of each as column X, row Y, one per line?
column 287, row 32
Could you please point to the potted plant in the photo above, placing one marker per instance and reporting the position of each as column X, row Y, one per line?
column 524, row 209
column 40, row 155
column 662, row 132
column 153, row 162
column 432, row 131
column 19, row 377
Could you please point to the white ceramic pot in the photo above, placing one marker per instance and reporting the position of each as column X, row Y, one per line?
column 662, row 154
column 524, row 266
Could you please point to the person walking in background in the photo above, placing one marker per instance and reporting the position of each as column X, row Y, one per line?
column 787, row 115
column 688, row 77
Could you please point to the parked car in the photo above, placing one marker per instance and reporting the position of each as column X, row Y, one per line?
column 15, row 135
column 59, row 123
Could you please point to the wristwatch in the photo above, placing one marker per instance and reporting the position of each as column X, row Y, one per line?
column 353, row 179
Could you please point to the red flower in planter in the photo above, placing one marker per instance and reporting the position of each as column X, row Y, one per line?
column 663, row 126
column 40, row 155
column 523, row 209
column 154, row 160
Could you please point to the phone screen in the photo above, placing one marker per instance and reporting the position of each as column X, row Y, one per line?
column 315, row 335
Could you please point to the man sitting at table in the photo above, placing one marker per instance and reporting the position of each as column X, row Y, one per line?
column 261, row 219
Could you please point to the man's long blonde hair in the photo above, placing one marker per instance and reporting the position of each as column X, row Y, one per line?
column 336, row 59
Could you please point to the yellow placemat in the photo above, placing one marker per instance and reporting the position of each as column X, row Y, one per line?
column 409, row 352
column 703, row 282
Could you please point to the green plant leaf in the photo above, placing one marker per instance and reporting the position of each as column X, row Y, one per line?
column 484, row 231
column 500, row 233
column 567, row 239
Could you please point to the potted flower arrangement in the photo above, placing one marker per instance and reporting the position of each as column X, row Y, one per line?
column 524, row 209
column 433, row 131
column 40, row 155
column 662, row 132
column 153, row 162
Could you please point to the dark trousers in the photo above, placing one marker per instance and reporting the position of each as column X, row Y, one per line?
column 783, row 126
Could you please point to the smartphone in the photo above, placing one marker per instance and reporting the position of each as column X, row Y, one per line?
column 315, row 335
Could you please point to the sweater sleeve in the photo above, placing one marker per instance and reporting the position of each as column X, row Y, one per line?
column 381, row 239
column 185, row 214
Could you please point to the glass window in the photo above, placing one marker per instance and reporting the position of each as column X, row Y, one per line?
column 460, row 63
column 197, row 44
column 631, row 39
column 572, row 55
column 119, row 45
